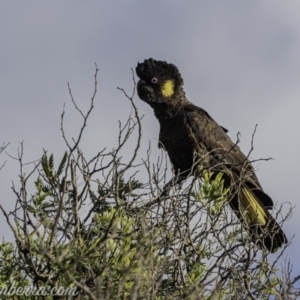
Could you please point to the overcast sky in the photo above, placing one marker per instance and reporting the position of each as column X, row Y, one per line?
column 240, row 61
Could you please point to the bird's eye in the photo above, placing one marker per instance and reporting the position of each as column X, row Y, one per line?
column 154, row 80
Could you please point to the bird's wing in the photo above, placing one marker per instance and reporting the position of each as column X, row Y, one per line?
column 222, row 149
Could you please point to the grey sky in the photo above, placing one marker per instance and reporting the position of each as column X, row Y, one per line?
column 240, row 61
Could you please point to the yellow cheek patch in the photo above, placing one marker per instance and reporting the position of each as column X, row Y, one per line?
column 168, row 88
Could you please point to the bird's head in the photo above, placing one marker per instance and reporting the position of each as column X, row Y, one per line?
column 159, row 81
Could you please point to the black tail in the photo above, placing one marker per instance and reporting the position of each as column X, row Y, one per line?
column 263, row 228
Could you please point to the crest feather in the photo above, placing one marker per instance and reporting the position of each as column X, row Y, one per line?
column 157, row 68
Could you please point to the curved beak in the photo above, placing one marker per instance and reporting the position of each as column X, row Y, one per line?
column 140, row 83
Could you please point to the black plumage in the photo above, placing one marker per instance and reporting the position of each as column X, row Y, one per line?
column 194, row 141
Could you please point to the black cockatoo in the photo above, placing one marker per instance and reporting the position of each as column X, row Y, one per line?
column 194, row 142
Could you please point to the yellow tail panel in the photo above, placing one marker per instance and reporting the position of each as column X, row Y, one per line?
column 251, row 208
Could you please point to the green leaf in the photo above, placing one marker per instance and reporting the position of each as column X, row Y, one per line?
column 62, row 164
column 51, row 162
